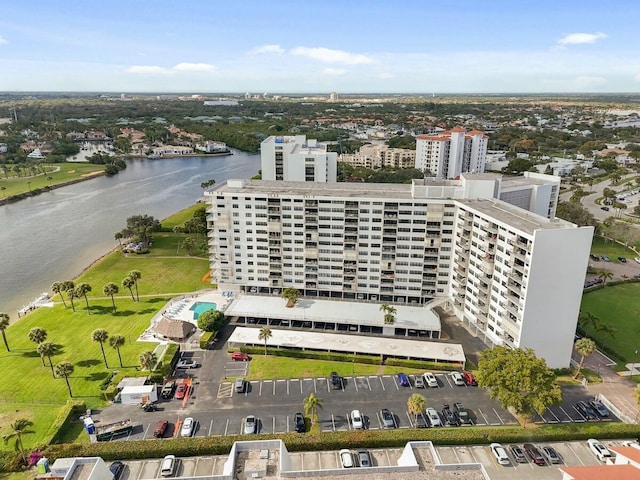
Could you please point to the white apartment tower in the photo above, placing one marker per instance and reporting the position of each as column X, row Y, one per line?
column 448, row 154
column 514, row 277
column 294, row 158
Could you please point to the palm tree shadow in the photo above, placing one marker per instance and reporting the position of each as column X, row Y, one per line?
column 30, row 354
column 88, row 363
column 100, row 309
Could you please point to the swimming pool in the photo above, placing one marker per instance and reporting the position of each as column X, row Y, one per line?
column 199, row 308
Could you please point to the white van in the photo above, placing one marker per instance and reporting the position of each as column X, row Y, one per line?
column 168, row 466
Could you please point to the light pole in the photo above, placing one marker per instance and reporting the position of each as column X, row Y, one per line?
column 635, row 360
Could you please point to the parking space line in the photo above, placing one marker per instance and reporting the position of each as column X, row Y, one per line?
column 260, row 390
column 574, row 452
column 300, row 391
column 349, row 421
column 355, row 382
column 409, row 418
column 498, row 415
column 226, row 427
column 273, row 429
column 146, row 431
column 287, row 424
column 333, row 422
column 456, row 454
column 369, row 383
column 577, row 421
column 288, row 383
column 273, row 388
column 395, row 383
column 554, row 415
column 485, row 418
column 446, row 377
column 382, row 384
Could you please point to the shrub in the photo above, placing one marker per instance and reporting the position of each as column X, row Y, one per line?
column 420, row 364
column 206, row 338
column 313, row 354
column 70, row 410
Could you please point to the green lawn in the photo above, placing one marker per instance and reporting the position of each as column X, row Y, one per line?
column 611, row 249
column 182, row 216
column 68, row 171
column 619, row 307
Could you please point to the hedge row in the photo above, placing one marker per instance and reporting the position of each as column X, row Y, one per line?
column 401, row 362
column 313, row 354
column 186, row 447
column 205, row 339
column 69, row 410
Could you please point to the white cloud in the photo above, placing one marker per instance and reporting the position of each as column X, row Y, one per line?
column 331, row 56
column 147, row 69
column 588, row 81
column 581, row 38
column 195, row 67
column 3, row 41
column 335, row 72
column 266, row 49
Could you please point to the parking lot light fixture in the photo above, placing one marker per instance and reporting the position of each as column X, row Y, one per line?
column 633, row 367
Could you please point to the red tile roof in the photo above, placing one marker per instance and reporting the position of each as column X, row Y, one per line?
column 632, row 453
column 602, row 472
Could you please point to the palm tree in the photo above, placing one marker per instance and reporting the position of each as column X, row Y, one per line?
column 416, row 404
column 291, row 295
column 19, row 428
column 135, row 275
column 147, row 360
column 605, row 329
column 4, row 324
column 189, row 244
column 81, row 291
column 70, row 287
column 111, row 289
column 48, row 349
column 585, row 347
column 101, row 335
column 605, row 275
column 588, row 320
column 117, row 341
column 64, row 369
column 57, row 287
column 38, row 335
column 311, row 406
column 118, row 236
column 265, row 334
column 127, row 282
column 389, row 313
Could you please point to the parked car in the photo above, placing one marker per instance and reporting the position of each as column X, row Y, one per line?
column 364, row 458
column 403, row 379
column 637, row 259
column 551, row 454
column 239, row 385
column 622, row 260
column 184, row 364
column 457, row 378
column 181, row 391
column 187, row 427
column 450, row 418
column 462, row 413
column 240, row 357
column 161, row 428
column 594, row 257
column 167, row 389
column 588, row 283
column 430, row 379
column 606, row 209
column 518, row 453
column 601, row 452
column 585, row 409
column 534, row 454
column 387, row 419
column 298, row 421
column 421, row 421
column 149, row 407
column 597, row 281
column 346, row 459
column 433, row 417
column 116, row 469
column 418, row 381
column 357, row 422
column 605, row 258
column 469, row 379
column 600, row 409
column 336, row 381
column 168, row 465
column 500, row 454
column 250, row 424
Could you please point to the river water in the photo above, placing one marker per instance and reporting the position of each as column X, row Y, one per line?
column 53, row 236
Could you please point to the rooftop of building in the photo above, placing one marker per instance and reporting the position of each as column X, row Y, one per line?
column 599, row 472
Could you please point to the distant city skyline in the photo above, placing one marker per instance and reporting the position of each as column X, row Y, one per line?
column 359, row 46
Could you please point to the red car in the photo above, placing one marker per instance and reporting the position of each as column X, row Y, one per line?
column 470, row 379
column 240, row 357
column 181, row 391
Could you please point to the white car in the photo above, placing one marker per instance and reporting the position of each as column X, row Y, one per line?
column 457, row 378
column 357, row 422
column 500, row 454
column 637, row 259
column 187, row 427
column 430, row 379
column 599, row 450
column 346, row 459
column 187, row 364
column 434, row 417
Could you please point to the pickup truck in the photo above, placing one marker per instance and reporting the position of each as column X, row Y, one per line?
column 462, row 414
column 167, row 389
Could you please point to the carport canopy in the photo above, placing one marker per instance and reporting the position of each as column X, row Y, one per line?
column 335, row 342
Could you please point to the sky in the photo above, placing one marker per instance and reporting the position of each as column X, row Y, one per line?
column 311, row 46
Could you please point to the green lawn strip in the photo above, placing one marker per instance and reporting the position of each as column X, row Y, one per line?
column 619, row 307
column 27, row 475
column 41, row 415
column 170, row 275
column 170, row 245
column 178, row 218
column 613, row 250
column 67, row 172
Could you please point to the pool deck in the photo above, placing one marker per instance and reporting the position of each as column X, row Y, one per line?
column 179, row 309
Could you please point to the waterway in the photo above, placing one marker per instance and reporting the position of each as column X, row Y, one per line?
column 55, row 235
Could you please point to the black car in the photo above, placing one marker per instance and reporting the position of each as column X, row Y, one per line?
column 449, row 417
column 600, row 409
column 298, row 421
column 116, row 468
column 594, row 257
column 587, row 412
column 463, row 414
column 622, row 260
column 150, row 407
column 518, row 454
column 336, row 381
column 534, row 454
column 421, row 421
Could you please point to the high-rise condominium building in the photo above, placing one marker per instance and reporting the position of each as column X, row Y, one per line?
column 514, row 277
column 294, row 158
column 448, row 154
